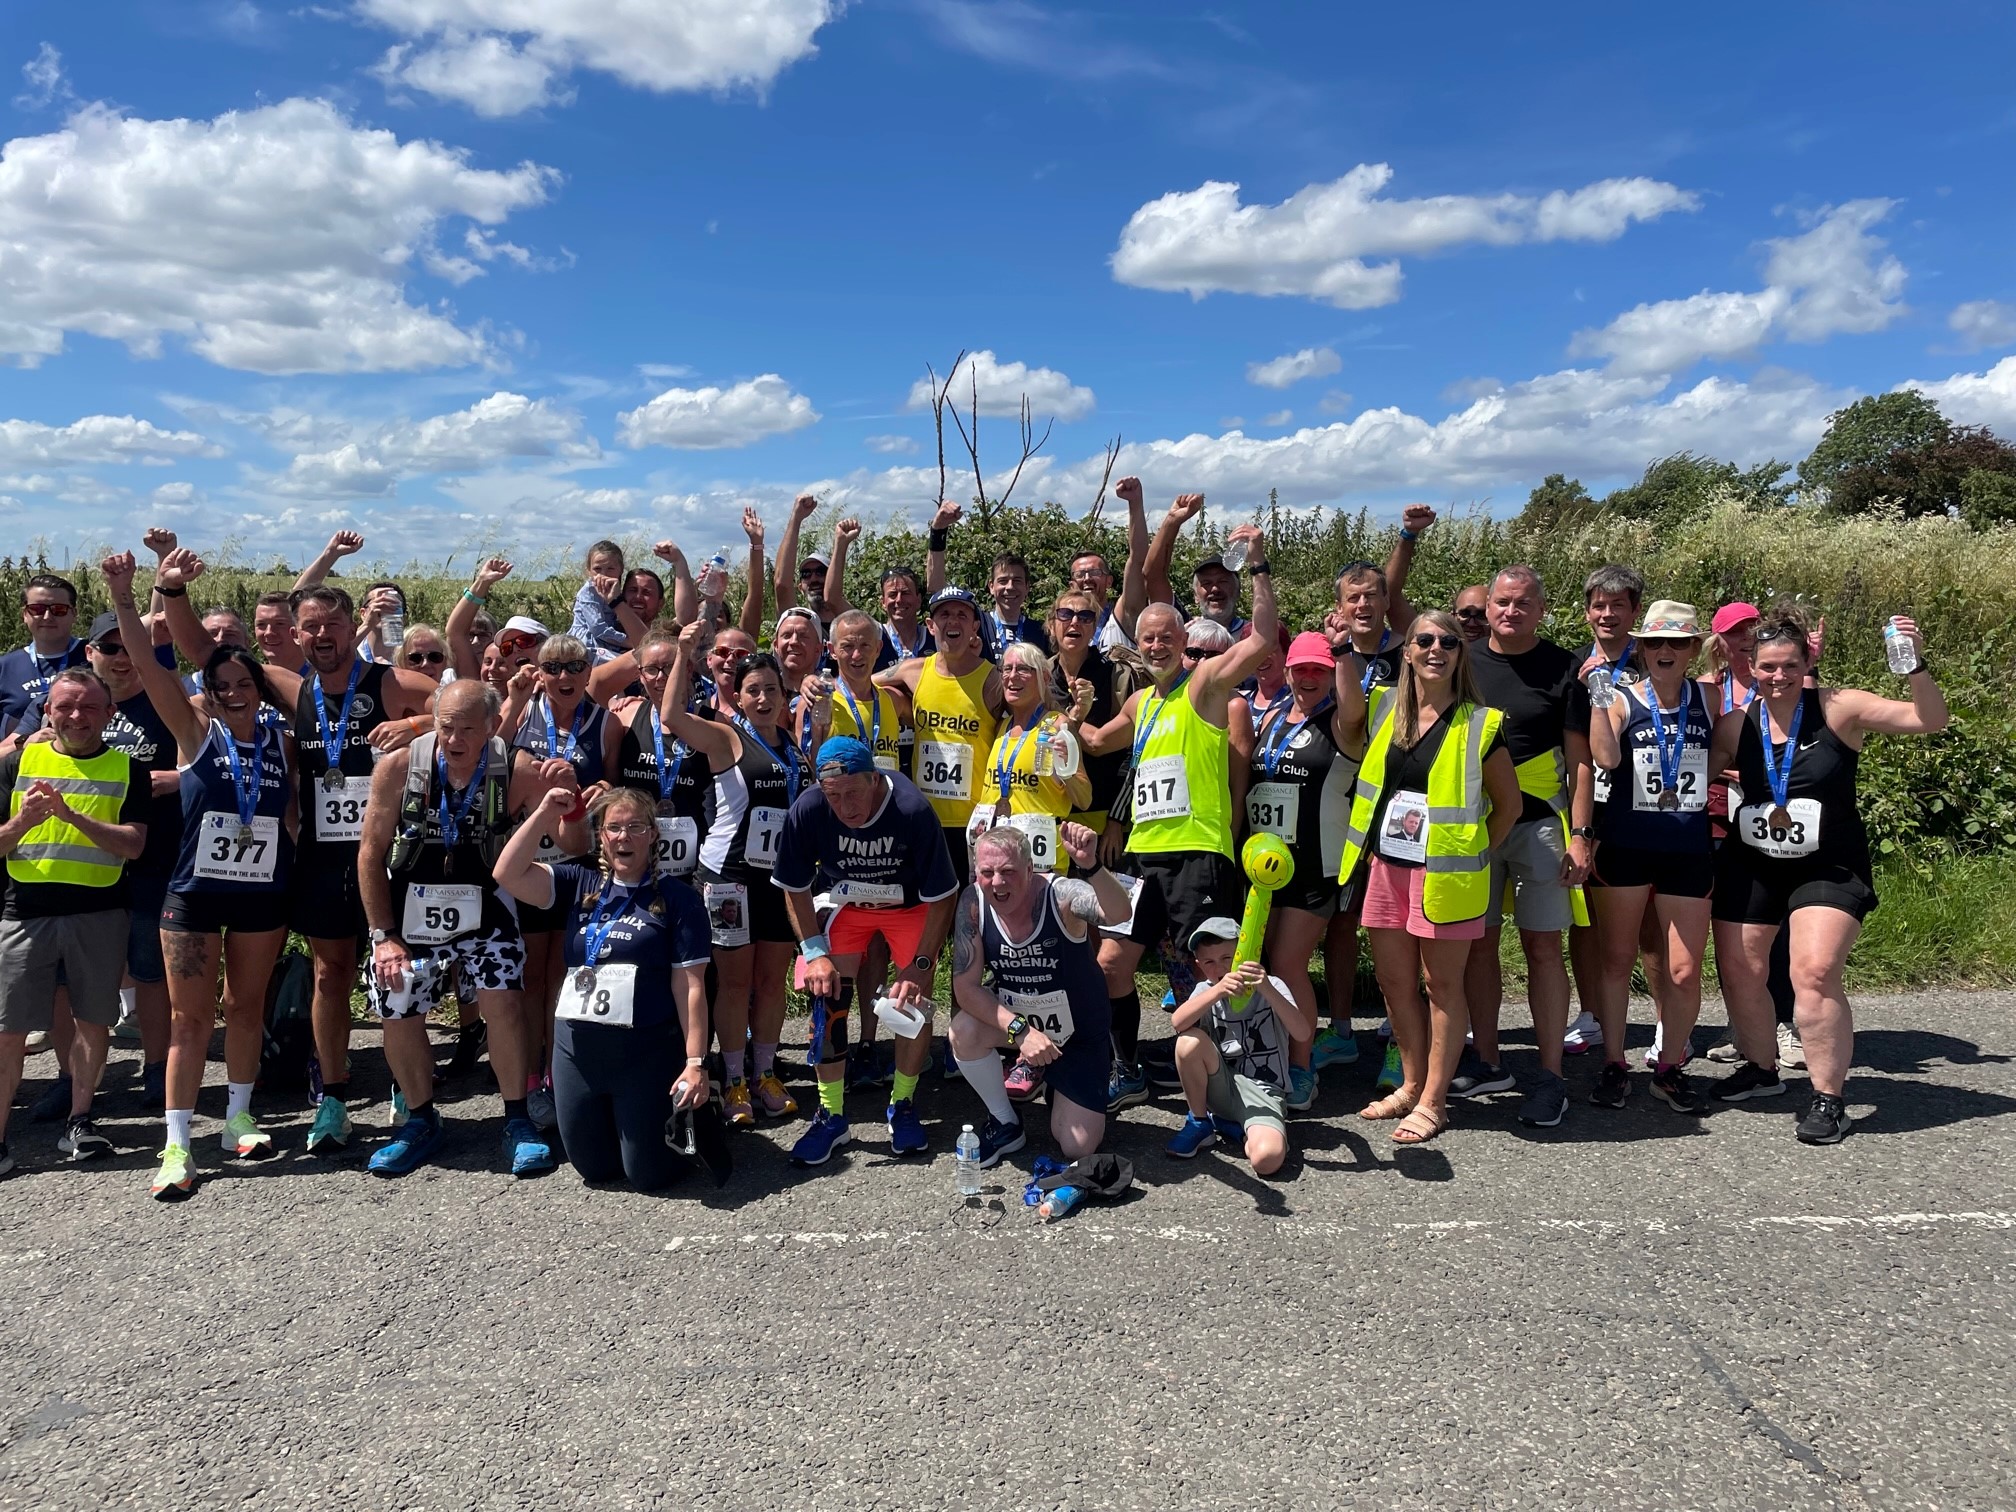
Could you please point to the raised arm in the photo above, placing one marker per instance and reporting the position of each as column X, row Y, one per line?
column 709, row 737
column 685, row 602
column 463, row 657
column 934, row 559
column 1606, row 729
column 802, row 509
column 1117, row 734
column 1924, row 714
column 164, row 689
column 752, row 603
column 518, row 870
column 342, row 544
column 1414, row 522
column 1347, row 717
column 177, row 571
column 1134, row 575
column 1162, row 550
column 845, row 534
column 1219, row 675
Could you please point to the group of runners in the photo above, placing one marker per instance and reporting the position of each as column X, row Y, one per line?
column 618, row 845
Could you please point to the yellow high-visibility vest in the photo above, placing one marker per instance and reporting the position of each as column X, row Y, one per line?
column 55, row 850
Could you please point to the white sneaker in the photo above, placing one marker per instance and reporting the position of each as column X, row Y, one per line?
column 1584, row 1034
column 127, row 1030
column 38, row 1041
column 1790, row 1051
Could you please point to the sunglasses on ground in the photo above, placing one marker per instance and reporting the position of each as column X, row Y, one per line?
column 564, row 668
column 426, row 658
column 1428, row 642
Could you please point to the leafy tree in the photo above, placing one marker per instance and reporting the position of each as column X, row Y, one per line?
column 1988, row 498
column 1928, row 479
column 1677, row 487
column 1559, row 503
column 1864, row 435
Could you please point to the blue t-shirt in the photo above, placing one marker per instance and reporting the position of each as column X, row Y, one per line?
column 24, row 678
column 595, row 624
column 662, row 924
column 894, row 649
column 899, row 851
column 996, row 635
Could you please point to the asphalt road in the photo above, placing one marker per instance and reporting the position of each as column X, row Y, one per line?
column 1634, row 1310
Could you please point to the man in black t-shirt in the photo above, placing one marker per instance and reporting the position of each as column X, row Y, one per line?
column 1546, row 857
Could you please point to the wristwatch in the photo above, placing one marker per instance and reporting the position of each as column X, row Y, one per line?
column 1017, row 1027
column 380, row 936
column 1583, row 832
column 922, row 963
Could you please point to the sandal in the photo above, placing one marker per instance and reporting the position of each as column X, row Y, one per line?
column 1420, row 1126
column 1393, row 1105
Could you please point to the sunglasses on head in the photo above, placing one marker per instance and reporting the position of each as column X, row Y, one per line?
column 426, row 658
column 1428, row 641
column 564, row 668
column 1075, row 616
column 47, row 611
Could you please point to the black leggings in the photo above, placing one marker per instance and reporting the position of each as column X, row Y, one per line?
column 612, row 1089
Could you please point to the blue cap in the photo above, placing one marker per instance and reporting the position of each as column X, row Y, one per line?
column 851, row 756
column 954, row 596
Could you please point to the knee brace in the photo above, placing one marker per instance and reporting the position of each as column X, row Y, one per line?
column 829, row 1026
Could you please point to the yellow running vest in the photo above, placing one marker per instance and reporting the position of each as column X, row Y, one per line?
column 878, row 728
column 955, row 731
column 54, row 851
column 1182, row 787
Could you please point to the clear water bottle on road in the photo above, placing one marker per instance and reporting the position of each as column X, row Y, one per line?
column 1235, row 553
column 966, row 1168
column 713, row 576
column 1898, row 650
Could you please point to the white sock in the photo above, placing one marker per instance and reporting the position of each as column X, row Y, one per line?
column 178, row 1126
column 240, row 1100
column 987, row 1078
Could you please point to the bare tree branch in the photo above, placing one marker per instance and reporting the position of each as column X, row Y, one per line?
column 1105, row 478
column 1029, row 447
column 939, row 393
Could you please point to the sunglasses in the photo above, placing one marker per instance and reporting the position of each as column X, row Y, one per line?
column 564, row 669
column 510, row 643
column 1429, row 642
column 426, row 658
column 1194, row 653
column 1075, row 616
column 109, row 648
column 1471, row 614
column 1676, row 642
column 48, row 611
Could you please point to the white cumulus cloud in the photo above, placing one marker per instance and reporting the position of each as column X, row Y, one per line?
column 501, row 57
column 1984, row 323
column 1002, row 385
column 95, row 439
column 1977, row 398
column 1316, row 242
column 490, row 432
column 894, row 446
column 1281, row 372
column 1834, row 278
column 715, row 418
column 276, row 240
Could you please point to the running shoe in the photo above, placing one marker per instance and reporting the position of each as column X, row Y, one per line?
column 736, row 1106
column 998, row 1139
column 825, row 1134
column 906, row 1129
column 1127, row 1089
column 331, row 1128
column 1334, row 1047
column 860, row 1068
column 1230, row 1130
column 528, row 1153
column 1671, row 1086
column 1583, row 1035
column 1658, row 1045
column 1024, row 1082
column 1791, row 1054
column 36, row 1043
column 82, row 1141
column 175, row 1176
column 1168, row 999
column 1158, row 1068
column 399, row 1109
column 1546, row 1104
column 1826, row 1121
column 243, row 1139
column 469, row 1043
column 406, row 1149
column 1390, row 1074
column 127, row 1030
column 6, row 1160
column 1749, row 1081
column 1197, row 1134
column 1476, row 1077
column 773, row 1098
column 948, row 1063
column 1301, row 1089
column 1613, row 1085
column 52, row 1104
column 1724, row 1053
column 539, row 1107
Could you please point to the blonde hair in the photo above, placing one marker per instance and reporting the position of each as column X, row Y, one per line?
column 1407, row 714
column 1024, row 654
column 561, row 648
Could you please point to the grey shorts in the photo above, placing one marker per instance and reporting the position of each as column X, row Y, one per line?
column 1529, row 862
column 491, row 960
column 1230, row 1095
column 88, row 948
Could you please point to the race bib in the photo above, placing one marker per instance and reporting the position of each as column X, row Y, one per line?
column 611, row 998
column 1274, row 808
column 677, row 849
column 886, row 760
column 1735, row 800
column 1161, row 790
column 766, row 826
column 727, row 913
column 945, row 770
column 868, row 894
column 224, row 855
column 1121, row 930
column 1799, row 837
column 1649, row 784
column 1042, row 832
column 1404, row 835
column 339, row 814
column 437, row 913
column 1600, row 786
column 1048, row 1011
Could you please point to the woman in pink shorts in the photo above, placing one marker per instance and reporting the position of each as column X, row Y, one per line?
column 1422, row 867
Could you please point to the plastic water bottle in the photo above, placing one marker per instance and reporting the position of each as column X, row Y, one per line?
column 966, row 1170
column 393, row 629
column 1898, row 650
column 1235, row 553
column 820, row 715
column 1602, row 688
column 714, row 575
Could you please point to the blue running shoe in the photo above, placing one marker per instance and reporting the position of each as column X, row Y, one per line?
column 996, row 1140
column 1301, row 1089
column 1230, row 1130
column 1168, row 999
column 1334, row 1047
column 906, row 1129
column 825, row 1134
column 413, row 1143
column 948, row 1063
column 1390, row 1075
column 1127, row 1089
column 1195, row 1135
column 528, row 1153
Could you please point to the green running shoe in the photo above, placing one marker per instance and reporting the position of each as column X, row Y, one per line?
column 176, row 1175
column 1389, row 1073
column 331, row 1129
column 245, row 1140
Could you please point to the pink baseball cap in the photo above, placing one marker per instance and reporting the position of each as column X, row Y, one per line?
column 1309, row 649
column 1729, row 616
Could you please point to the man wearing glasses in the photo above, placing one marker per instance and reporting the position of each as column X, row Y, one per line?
column 49, row 610
column 1471, row 613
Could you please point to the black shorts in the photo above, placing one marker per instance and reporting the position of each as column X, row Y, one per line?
column 1179, row 891
column 326, row 901
column 1750, row 889
column 1670, row 874
column 1314, row 894
column 962, row 856
column 1083, row 1071
column 216, row 912
column 768, row 921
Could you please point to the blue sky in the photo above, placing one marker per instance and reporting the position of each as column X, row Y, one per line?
column 522, row 272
